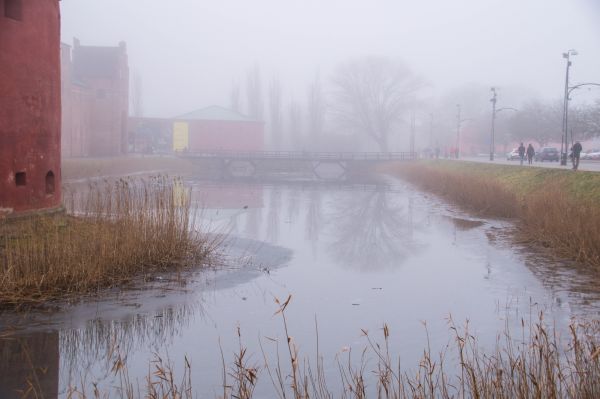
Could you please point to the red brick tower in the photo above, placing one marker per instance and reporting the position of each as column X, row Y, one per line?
column 30, row 113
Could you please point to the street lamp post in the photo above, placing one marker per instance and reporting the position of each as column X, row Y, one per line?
column 492, row 138
column 458, row 122
column 412, row 131
column 431, row 130
column 564, row 144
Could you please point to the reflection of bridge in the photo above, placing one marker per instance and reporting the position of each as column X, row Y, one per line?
column 322, row 165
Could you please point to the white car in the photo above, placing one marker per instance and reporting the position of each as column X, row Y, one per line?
column 514, row 154
column 592, row 155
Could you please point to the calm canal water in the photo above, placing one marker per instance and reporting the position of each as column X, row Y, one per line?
column 353, row 256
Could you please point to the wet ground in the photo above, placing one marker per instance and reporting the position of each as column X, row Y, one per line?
column 353, row 256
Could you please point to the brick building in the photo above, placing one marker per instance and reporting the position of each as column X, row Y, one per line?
column 212, row 128
column 216, row 128
column 95, row 100
column 30, row 105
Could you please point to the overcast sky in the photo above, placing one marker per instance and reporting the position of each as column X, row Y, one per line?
column 188, row 52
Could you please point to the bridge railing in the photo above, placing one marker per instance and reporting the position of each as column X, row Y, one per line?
column 302, row 155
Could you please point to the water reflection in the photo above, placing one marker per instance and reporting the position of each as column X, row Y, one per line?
column 88, row 353
column 29, row 364
column 372, row 230
column 572, row 285
column 314, row 220
column 328, row 237
column 273, row 216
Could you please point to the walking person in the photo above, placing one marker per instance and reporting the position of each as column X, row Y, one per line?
column 530, row 153
column 521, row 151
column 576, row 153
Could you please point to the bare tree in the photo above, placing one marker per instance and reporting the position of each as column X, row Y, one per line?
column 371, row 95
column 295, row 124
column 585, row 120
column 275, row 113
column 234, row 97
column 254, row 93
column 537, row 121
column 316, row 110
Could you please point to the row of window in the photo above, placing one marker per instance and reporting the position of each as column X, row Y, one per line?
column 21, row 180
column 13, row 9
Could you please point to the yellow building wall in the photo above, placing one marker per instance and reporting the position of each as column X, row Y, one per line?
column 181, row 136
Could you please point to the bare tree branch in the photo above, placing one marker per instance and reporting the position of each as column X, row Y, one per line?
column 371, row 95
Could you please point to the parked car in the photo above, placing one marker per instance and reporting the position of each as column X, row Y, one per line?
column 514, row 154
column 547, row 154
column 591, row 155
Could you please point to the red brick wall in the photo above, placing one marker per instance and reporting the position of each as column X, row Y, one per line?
column 105, row 73
column 76, row 110
column 95, row 100
column 30, row 109
column 226, row 135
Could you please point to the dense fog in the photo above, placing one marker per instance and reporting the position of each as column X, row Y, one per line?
column 284, row 61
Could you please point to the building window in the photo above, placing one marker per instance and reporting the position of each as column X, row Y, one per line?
column 50, row 182
column 20, row 178
column 13, row 9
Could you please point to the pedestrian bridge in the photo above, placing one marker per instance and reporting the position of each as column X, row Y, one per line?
column 320, row 165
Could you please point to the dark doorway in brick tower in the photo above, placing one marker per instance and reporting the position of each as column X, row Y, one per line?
column 12, row 9
column 20, row 178
column 50, row 182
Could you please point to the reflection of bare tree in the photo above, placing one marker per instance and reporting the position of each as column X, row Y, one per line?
column 293, row 202
column 233, row 224
column 273, row 216
column 371, row 231
column 253, row 223
column 314, row 218
column 89, row 351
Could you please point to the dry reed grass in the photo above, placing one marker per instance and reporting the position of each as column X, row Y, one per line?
column 532, row 363
column 569, row 226
column 121, row 230
column 476, row 193
column 552, row 215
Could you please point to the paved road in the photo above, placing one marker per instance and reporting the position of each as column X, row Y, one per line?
column 593, row 166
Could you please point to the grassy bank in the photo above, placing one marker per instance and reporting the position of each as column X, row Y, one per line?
column 557, row 209
column 111, row 234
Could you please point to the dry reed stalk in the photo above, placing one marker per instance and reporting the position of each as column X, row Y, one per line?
column 121, row 231
column 551, row 217
column 484, row 196
column 570, row 227
column 533, row 363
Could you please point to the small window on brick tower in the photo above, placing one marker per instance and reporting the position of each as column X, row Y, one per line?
column 13, row 9
column 20, row 178
column 50, row 182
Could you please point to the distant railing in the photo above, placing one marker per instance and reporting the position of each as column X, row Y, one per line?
column 302, row 155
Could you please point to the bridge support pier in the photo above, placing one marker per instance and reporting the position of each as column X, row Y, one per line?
column 340, row 175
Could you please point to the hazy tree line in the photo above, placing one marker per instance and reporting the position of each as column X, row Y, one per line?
column 379, row 104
